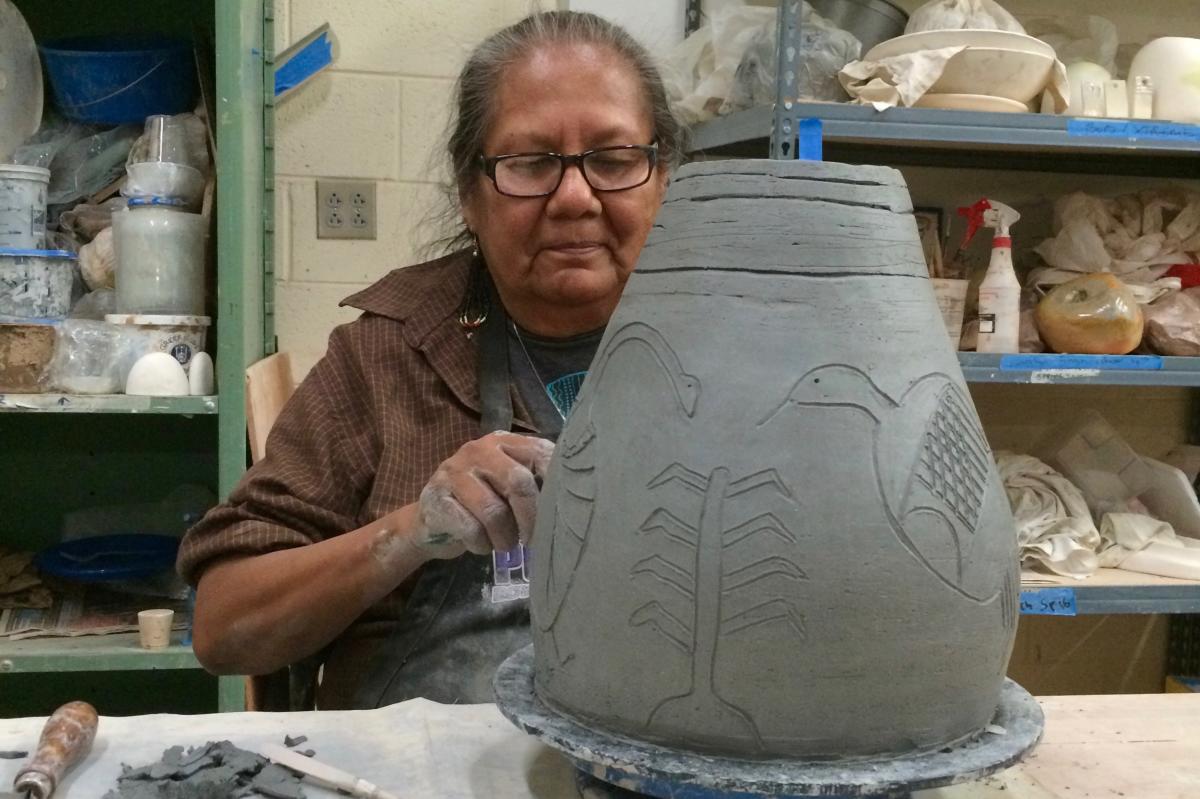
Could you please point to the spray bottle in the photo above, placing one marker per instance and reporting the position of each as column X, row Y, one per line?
column 1000, row 291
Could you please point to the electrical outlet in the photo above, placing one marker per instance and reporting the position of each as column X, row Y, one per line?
column 346, row 209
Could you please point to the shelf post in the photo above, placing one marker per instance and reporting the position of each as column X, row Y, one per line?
column 783, row 132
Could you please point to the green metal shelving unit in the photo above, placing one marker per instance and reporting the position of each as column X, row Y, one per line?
column 242, row 36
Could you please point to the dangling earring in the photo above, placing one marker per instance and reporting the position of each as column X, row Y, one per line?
column 476, row 302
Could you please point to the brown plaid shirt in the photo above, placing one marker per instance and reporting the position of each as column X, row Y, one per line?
column 394, row 396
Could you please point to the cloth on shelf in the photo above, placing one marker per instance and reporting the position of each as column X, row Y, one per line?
column 1054, row 526
column 1137, row 237
column 1140, row 543
column 904, row 79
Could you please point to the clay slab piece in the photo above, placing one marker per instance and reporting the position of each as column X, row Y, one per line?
column 216, row 770
column 773, row 526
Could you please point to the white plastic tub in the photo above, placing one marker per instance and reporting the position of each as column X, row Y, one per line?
column 160, row 259
column 181, row 337
column 36, row 284
column 23, row 206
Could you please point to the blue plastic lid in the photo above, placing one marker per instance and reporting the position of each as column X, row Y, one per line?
column 38, row 253
column 169, row 202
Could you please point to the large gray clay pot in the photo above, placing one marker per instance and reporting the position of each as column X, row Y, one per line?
column 772, row 526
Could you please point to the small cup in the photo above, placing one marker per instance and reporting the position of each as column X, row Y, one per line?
column 154, row 627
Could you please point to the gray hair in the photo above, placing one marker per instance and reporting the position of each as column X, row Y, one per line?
column 472, row 115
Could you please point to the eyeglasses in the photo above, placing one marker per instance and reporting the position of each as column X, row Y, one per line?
column 539, row 174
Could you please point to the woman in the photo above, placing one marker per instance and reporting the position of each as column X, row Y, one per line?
column 365, row 535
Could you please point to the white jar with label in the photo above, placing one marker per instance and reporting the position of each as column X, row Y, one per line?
column 160, row 258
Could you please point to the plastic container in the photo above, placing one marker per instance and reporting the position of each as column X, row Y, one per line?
column 164, row 179
column 23, row 192
column 952, row 302
column 87, row 357
column 114, row 80
column 160, row 258
column 179, row 336
column 36, row 284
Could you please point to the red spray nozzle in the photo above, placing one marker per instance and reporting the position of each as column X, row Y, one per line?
column 974, row 217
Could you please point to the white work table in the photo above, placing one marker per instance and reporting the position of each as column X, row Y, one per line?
column 1140, row 747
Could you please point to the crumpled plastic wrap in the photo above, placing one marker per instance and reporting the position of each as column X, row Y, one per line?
column 1173, row 323
column 1054, row 526
column 1137, row 237
column 729, row 63
column 959, row 14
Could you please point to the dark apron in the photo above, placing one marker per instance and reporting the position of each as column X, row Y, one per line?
column 452, row 636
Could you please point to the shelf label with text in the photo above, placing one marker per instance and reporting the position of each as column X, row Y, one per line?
column 1143, row 130
column 1031, row 362
column 1048, row 602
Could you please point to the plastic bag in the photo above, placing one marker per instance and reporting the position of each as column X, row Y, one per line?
column 729, row 63
column 958, row 14
column 825, row 49
column 85, row 220
column 86, row 166
column 1173, row 323
column 1078, row 37
column 41, row 148
column 87, row 357
column 98, row 261
column 95, row 305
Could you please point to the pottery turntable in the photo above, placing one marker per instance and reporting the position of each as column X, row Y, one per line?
column 773, row 555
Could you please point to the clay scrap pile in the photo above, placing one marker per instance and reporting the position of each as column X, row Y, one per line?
column 216, row 770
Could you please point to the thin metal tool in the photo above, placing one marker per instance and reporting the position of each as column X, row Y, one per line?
column 324, row 774
column 66, row 739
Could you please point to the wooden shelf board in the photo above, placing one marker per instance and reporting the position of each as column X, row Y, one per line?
column 106, row 403
column 118, row 652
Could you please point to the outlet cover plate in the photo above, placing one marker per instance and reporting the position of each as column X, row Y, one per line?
column 346, row 209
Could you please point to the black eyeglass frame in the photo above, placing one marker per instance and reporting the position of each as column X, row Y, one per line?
column 489, row 163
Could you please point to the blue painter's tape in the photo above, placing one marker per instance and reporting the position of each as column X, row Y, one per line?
column 812, row 140
column 308, row 61
column 1032, row 363
column 1137, row 130
column 1048, row 602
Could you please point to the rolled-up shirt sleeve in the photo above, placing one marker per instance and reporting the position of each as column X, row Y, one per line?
column 320, row 463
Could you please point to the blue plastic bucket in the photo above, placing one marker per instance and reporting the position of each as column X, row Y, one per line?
column 114, row 80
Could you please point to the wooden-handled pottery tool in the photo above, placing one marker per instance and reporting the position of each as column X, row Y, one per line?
column 324, row 774
column 66, row 739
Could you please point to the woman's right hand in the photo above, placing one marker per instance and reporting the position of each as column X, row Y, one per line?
column 483, row 497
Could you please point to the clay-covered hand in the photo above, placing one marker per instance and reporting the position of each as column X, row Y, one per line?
column 483, row 497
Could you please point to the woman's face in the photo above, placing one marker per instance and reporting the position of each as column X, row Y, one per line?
column 561, row 261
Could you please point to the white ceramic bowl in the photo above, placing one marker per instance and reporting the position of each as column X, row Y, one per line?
column 1173, row 63
column 1012, row 74
column 936, row 40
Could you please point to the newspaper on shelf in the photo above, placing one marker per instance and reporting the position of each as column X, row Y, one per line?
column 85, row 609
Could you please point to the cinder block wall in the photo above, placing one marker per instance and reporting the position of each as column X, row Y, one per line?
column 378, row 114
